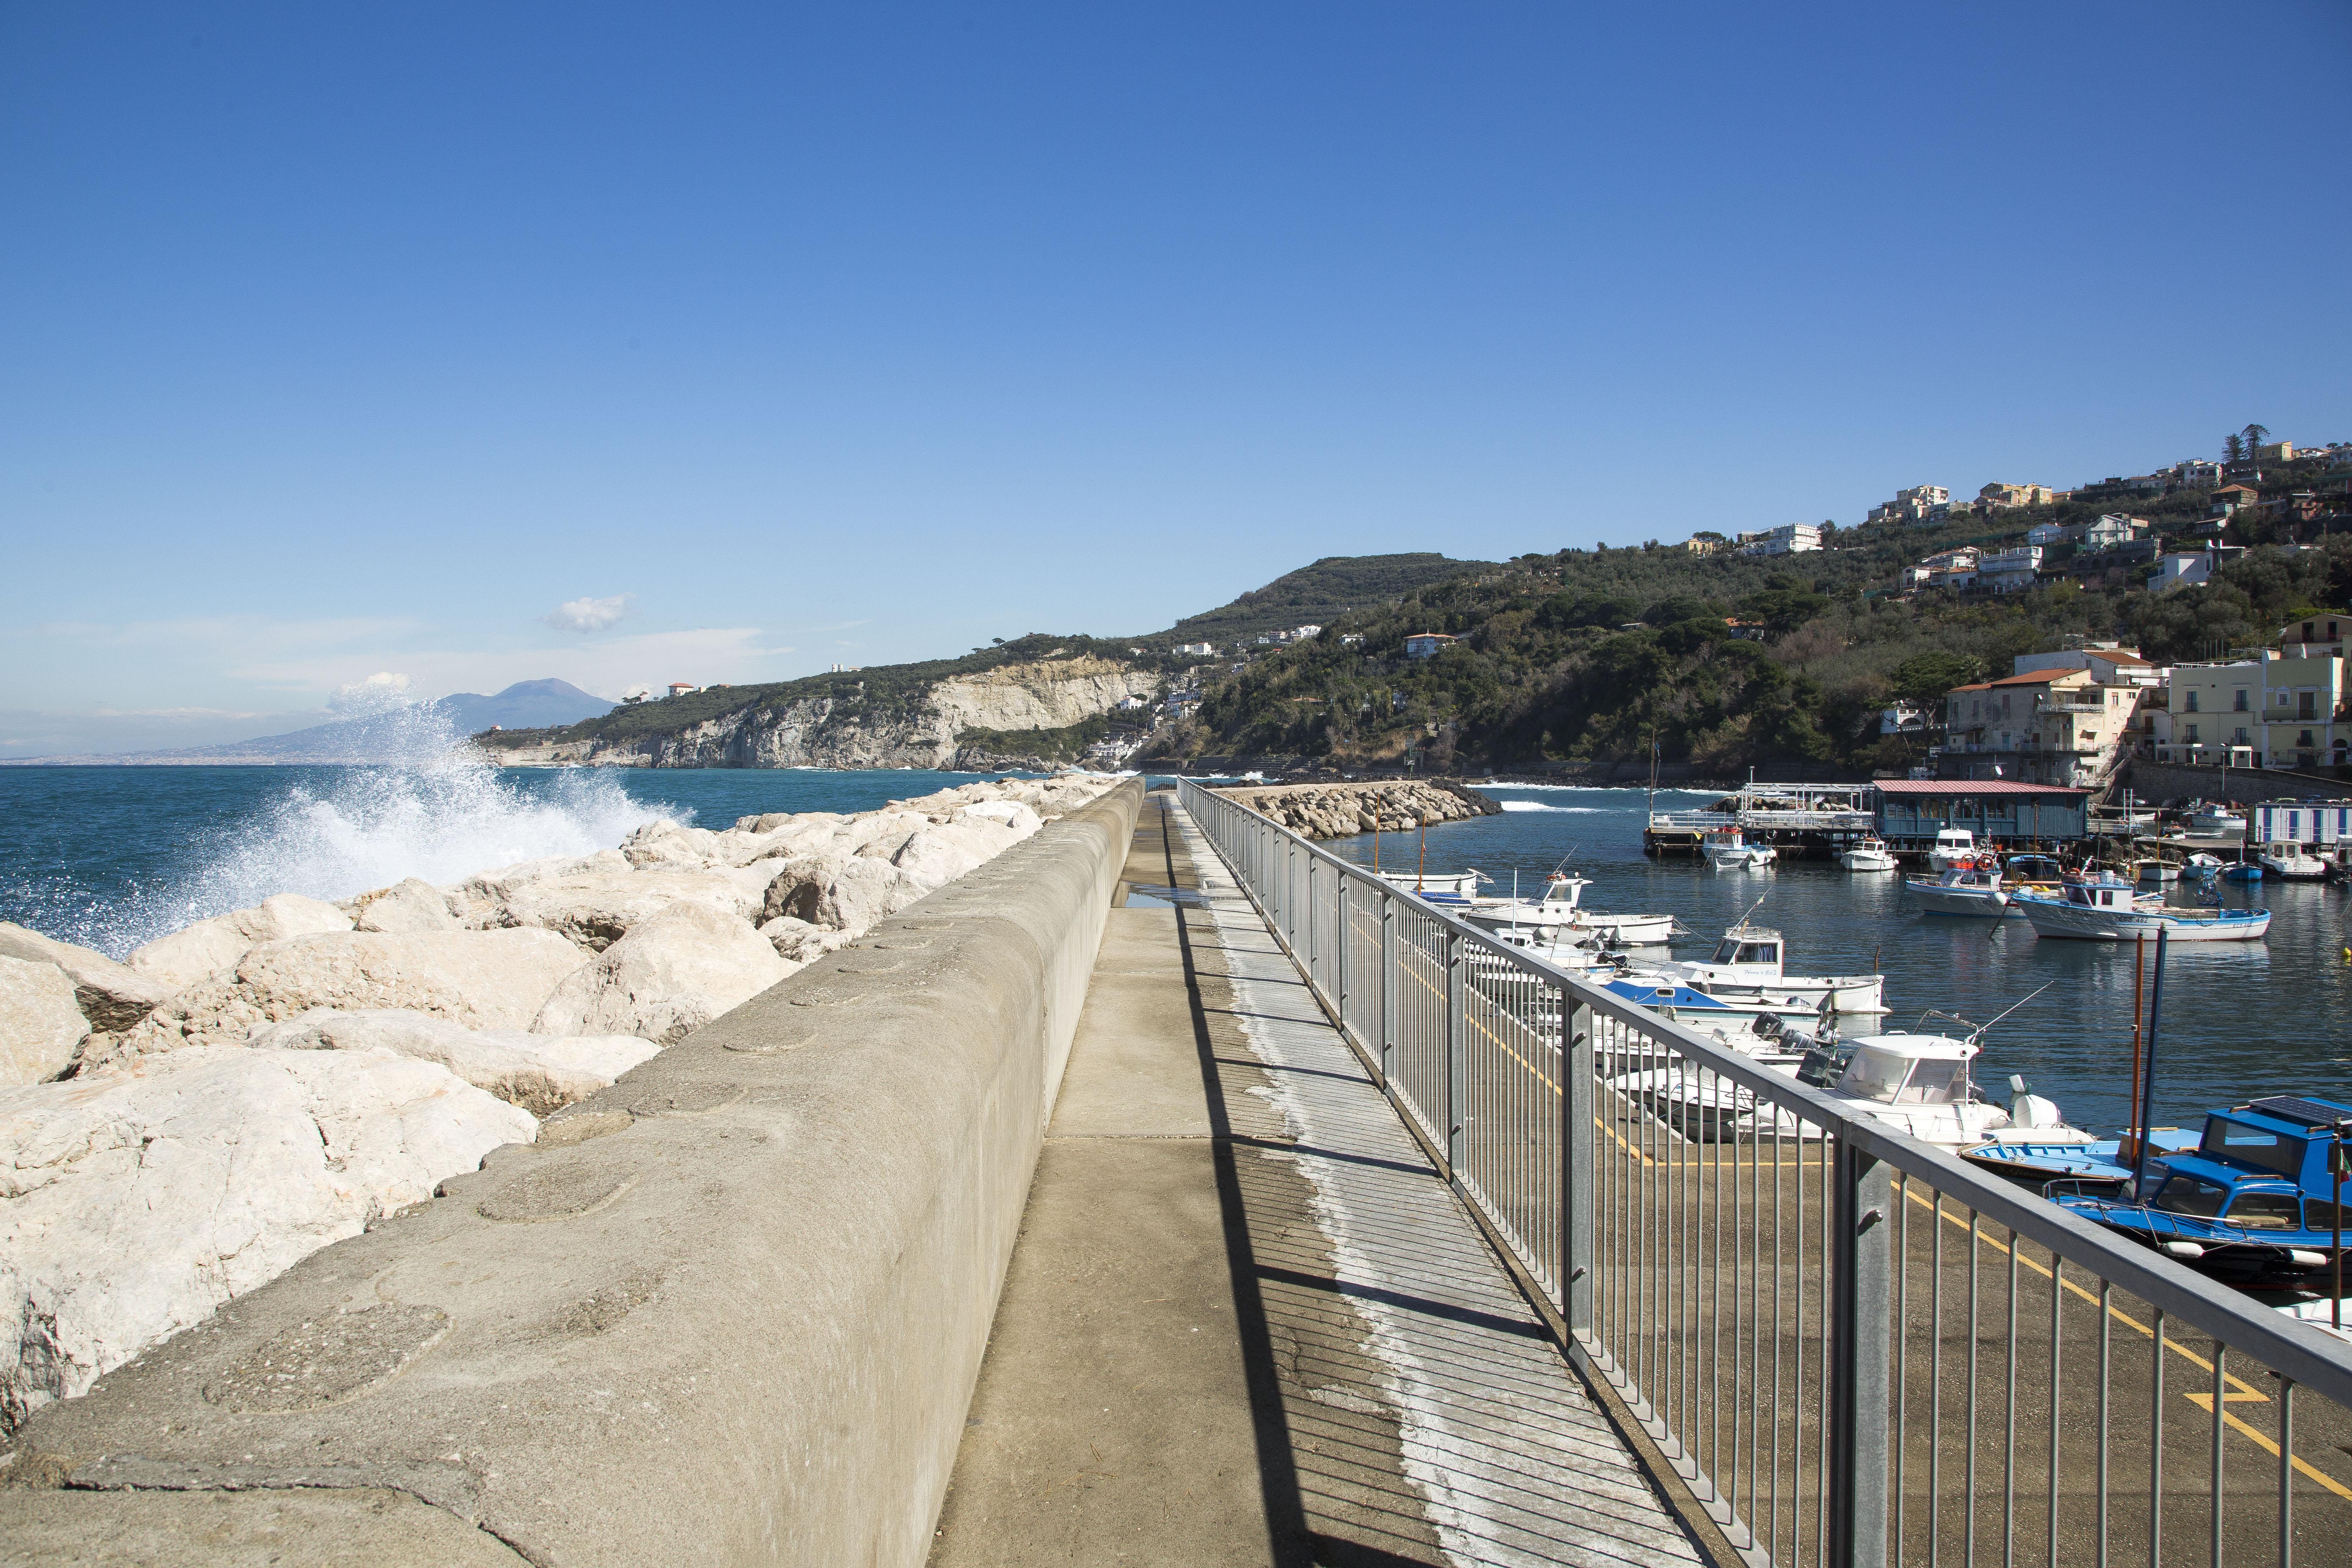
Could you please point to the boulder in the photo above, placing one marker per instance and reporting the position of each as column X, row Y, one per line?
column 40, row 1027
column 500, row 883
column 840, row 893
column 210, row 947
column 596, row 908
column 669, row 976
column 798, row 943
column 411, row 905
column 111, row 996
column 477, row 979
column 667, row 844
column 938, row 856
column 134, row 1203
column 1021, row 818
column 541, row 1074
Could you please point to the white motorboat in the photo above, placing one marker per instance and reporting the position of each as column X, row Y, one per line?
column 1918, row 1084
column 1954, row 846
column 2103, row 908
column 1727, row 848
column 1559, row 910
column 1969, row 890
column 2289, row 860
column 2159, row 871
column 1746, row 969
column 1867, row 855
column 2213, row 818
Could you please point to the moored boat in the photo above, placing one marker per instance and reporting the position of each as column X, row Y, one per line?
column 1868, row 854
column 2253, row 1202
column 1560, row 910
column 2210, row 816
column 2104, row 908
column 1452, row 884
column 1954, row 846
column 2288, row 860
column 1969, row 890
column 1727, row 848
column 1747, row 968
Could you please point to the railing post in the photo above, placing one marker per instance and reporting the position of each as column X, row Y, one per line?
column 1314, row 978
column 1387, row 986
column 1861, row 1227
column 1339, row 951
column 1453, row 1056
column 1577, row 1208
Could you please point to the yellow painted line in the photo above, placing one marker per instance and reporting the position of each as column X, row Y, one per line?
column 2243, row 1392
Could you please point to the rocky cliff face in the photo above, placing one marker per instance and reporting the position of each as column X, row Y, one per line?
column 1048, row 694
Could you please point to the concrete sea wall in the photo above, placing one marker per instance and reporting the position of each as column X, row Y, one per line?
column 730, row 1309
column 2157, row 782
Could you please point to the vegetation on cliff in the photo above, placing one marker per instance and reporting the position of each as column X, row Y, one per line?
column 1588, row 656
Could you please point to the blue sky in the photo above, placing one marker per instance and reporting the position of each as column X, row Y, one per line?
column 340, row 341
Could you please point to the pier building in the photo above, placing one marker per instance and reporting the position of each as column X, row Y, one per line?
column 1816, row 821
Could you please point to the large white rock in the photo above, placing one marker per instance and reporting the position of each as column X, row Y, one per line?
column 537, row 1072
column 664, row 843
column 111, row 996
column 133, row 1204
column 596, row 908
column 499, row 884
column 40, row 1027
column 841, row 893
column 411, row 905
column 938, row 856
column 477, row 979
column 667, row 978
column 211, row 947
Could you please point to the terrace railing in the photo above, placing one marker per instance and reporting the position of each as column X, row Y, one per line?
column 1852, row 1348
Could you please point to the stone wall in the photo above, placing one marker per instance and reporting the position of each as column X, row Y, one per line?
column 2156, row 783
column 730, row 1309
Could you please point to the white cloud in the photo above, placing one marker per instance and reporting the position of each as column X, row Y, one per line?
column 588, row 614
column 378, row 693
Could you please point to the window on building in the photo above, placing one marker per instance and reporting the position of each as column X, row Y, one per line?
column 2192, row 701
column 2303, row 739
column 2239, row 705
column 2192, row 734
column 2242, row 737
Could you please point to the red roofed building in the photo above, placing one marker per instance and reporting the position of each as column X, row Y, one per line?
column 2061, row 727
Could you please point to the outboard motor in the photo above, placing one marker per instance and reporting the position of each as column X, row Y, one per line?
column 2029, row 1110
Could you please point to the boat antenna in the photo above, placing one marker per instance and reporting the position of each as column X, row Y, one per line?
column 1977, row 1031
column 1754, row 906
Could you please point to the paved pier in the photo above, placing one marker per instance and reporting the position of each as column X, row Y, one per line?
column 1245, row 1320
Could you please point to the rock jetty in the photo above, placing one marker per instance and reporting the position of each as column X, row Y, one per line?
column 182, row 1126
column 1339, row 810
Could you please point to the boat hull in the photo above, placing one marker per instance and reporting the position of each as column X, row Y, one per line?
column 2053, row 918
column 1987, row 903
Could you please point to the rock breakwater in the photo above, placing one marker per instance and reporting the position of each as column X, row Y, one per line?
column 1340, row 810
column 181, row 1128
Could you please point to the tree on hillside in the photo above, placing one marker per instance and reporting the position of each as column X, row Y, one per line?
column 2234, row 449
column 2257, row 437
column 1925, row 678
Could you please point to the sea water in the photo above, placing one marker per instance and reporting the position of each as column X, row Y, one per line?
column 2240, row 1019
column 110, row 857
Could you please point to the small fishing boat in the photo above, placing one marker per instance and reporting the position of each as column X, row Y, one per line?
column 2253, row 1202
column 2289, row 861
column 2154, row 870
column 1727, row 848
column 2096, row 1169
column 1954, row 846
column 1449, row 884
column 1559, row 910
column 1869, row 853
column 1969, row 890
column 2104, row 908
column 2210, row 816
column 1745, row 969
column 2203, row 866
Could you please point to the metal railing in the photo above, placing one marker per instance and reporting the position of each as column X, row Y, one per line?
column 1855, row 1348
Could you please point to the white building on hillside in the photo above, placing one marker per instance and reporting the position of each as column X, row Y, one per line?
column 1789, row 538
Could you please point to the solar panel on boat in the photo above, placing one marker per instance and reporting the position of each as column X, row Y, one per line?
column 2310, row 1112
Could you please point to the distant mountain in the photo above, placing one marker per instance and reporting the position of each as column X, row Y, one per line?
column 1329, row 588
column 525, row 705
column 406, row 735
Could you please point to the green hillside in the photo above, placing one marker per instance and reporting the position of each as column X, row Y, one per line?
column 1584, row 655
column 1312, row 595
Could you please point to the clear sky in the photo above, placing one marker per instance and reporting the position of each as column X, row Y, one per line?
column 475, row 343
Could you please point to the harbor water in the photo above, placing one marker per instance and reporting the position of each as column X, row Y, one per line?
column 2240, row 1019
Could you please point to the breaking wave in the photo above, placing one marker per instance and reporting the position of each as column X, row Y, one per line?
column 1539, row 806
column 370, row 827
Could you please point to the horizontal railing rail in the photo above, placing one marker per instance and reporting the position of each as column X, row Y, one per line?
column 1853, row 1347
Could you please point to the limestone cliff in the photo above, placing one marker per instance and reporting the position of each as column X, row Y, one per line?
column 841, row 728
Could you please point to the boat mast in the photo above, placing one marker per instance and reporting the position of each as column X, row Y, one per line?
column 2147, row 1088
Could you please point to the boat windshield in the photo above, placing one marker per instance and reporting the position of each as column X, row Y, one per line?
column 1733, row 951
column 2267, row 1211
column 1902, row 1080
column 2186, row 1194
column 2252, row 1146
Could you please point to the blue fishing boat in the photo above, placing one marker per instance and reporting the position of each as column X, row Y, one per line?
column 2096, row 1169
column 2254, row 1203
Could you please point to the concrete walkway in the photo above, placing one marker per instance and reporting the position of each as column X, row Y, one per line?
column 1245, row 1322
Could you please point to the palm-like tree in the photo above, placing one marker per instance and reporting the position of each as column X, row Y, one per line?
column 2257, row 437
column 2233, row 449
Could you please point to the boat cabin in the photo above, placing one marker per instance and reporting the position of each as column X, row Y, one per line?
column 2105, row 892
column 2034, row 869
column 2280, row 1144
column 1745, row 944
column 1894, row 1069
column 1956, row 841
